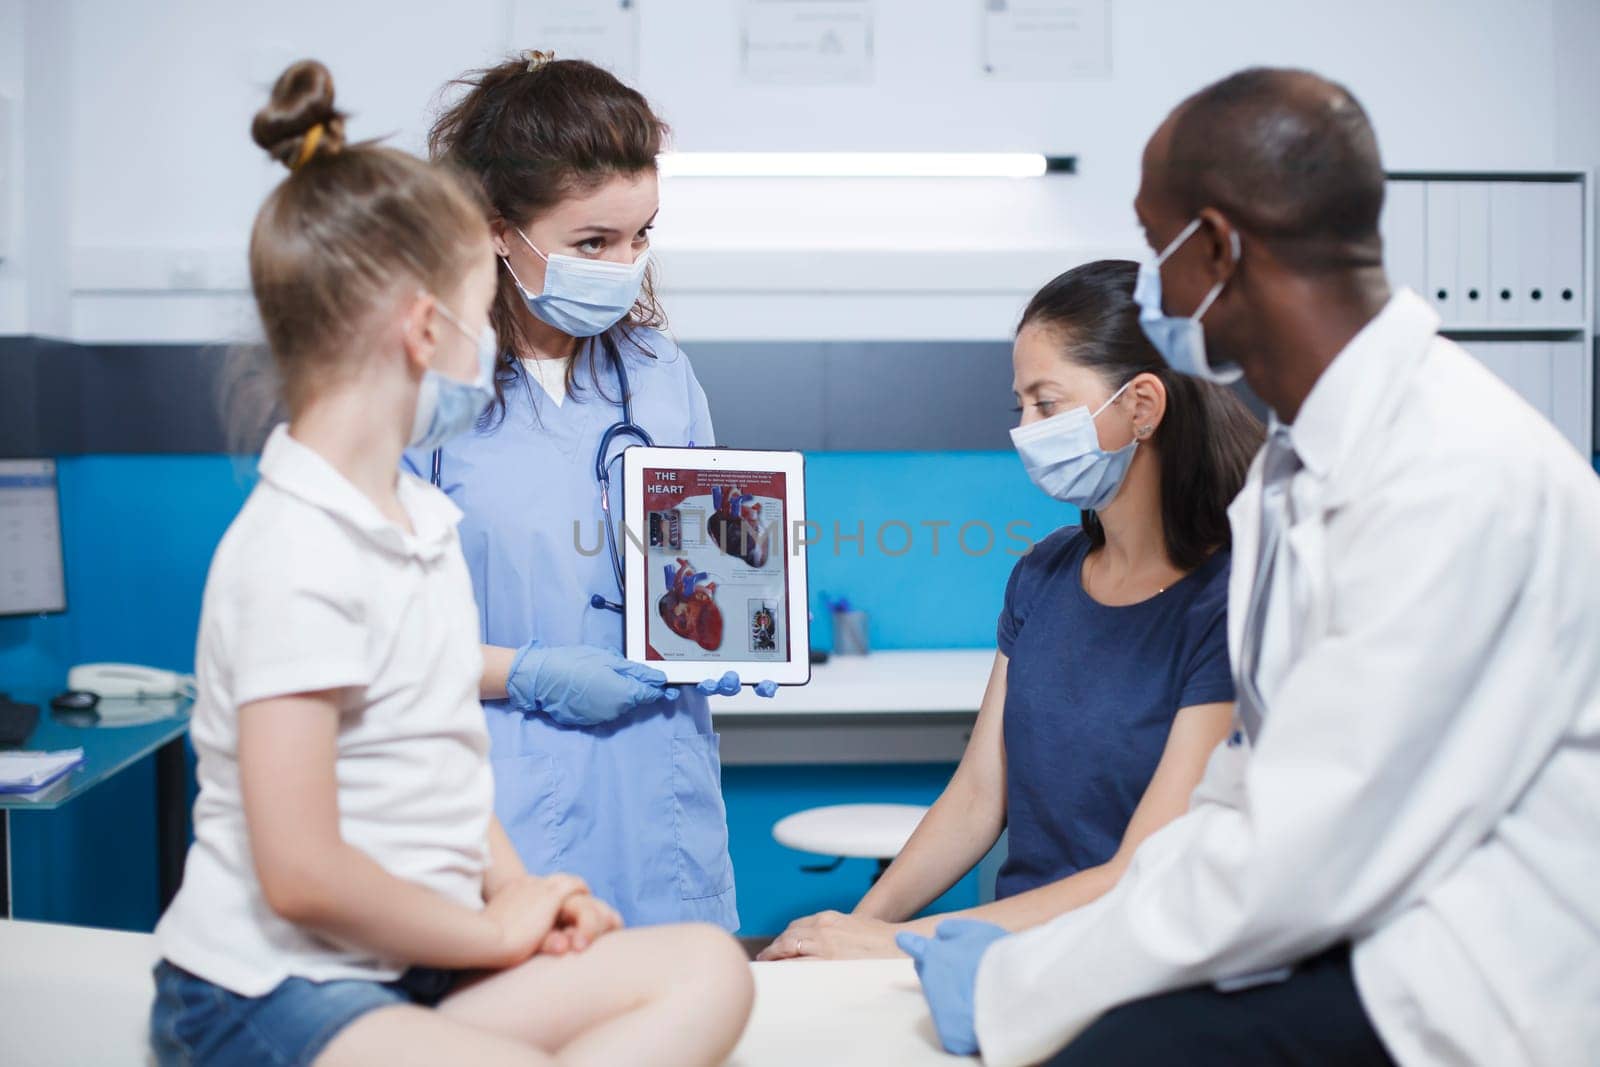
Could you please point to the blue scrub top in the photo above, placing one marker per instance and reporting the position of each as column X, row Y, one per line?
column 1091, row 692
column 634, row 807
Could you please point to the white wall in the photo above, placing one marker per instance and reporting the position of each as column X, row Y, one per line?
column 13, row 275
column 162, row 180
column 1577, row 93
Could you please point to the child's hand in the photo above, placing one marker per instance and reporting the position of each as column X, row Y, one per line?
column 526, row 909
column 582, row 919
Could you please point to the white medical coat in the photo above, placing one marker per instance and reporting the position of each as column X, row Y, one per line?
column 1426, row 782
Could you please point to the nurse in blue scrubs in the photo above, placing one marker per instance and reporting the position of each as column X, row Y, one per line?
column 600, row 769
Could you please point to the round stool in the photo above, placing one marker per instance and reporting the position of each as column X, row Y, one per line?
column 850, row 831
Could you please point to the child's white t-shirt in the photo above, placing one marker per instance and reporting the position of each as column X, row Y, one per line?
column 313, row 589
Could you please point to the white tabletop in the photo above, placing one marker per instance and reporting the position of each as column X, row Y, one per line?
column 931, row 680
column 75, row 995
column 849, row 1013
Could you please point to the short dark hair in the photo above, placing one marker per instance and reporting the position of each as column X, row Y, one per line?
column 1290, row 158
column 1208, row 437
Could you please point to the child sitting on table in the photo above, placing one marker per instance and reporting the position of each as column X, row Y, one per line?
column 350, row 896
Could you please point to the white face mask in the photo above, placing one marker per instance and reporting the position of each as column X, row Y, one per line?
column 1062, row 455
column 448, row 406
column 1180, row 338
column 582, row 297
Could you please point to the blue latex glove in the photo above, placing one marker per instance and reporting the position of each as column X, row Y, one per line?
column 728, row 685
column 947, row 963
column 580, row 685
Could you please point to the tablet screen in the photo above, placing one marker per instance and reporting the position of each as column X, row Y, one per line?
column 716, row 565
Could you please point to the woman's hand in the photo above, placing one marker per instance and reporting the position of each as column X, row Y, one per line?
column 525, row 910
column 582, row 919
column 830, row 935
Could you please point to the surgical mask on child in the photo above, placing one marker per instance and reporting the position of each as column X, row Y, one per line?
column 1180, row 339
column 582, row 297
column 448, row 406
column 1062, row 455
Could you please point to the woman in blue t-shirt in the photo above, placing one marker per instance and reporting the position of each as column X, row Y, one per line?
column 1111, row 687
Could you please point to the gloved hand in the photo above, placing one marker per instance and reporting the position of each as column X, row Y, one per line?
column 580, row 685
column 729, row 684
column 947, row 963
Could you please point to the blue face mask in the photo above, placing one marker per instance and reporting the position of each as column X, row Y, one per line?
column 582, row 297
column 1062, row 455
column 447, row 406
column 1180, row 340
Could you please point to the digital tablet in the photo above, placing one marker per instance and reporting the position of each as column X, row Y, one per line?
column 716, row 563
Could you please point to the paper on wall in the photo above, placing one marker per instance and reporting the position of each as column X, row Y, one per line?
column 807, row 42
column 604, row 32
column 1046, row 40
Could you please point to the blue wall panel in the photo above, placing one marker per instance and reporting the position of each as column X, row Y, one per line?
column 139, row 532
column 772, row 887
column 934, row 595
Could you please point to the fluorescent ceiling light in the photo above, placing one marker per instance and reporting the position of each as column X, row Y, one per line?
column 863, row 164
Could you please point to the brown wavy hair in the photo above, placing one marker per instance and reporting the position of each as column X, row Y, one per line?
column 1208, row 437
column 534, row 131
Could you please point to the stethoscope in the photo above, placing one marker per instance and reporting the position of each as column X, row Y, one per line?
column 623, row 430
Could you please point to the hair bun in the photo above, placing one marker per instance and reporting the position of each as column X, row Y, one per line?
column 302, row 99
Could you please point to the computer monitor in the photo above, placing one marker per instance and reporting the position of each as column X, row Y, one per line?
column 32, row 574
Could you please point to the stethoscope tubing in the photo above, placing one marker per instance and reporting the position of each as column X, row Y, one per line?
column 626, row 428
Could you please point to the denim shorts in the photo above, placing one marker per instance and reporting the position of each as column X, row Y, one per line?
column 196, row 1022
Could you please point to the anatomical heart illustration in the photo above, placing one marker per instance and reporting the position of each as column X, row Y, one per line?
column 716, row 566
column 689, row 608
column 735, row 525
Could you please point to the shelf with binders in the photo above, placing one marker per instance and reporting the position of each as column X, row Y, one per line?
column 1493, row 253
column 1506, row 259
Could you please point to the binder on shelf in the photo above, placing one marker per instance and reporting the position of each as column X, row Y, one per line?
column 1551, row 376
column 1507, row 225
column 1564, row 235
column 1494, row 357
column 1404, row 229
column 1533, row 376
column 1443, row 222
column 1538, row 275
column 1570, row 396
column 1472, row 253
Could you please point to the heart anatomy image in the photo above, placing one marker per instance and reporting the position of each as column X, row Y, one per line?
column 735, row 525
column 717, row 554
column 689, row 606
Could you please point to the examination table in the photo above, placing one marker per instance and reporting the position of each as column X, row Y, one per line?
column 74, row 995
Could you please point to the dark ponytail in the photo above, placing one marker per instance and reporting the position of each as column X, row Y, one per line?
column 1207, row 438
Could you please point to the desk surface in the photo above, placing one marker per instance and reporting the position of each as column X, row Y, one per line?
column 107, row 749
column 950, row 680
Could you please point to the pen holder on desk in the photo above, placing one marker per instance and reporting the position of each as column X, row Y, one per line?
column 849, row 633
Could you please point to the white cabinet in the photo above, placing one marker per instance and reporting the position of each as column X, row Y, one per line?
column 1505, row 259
